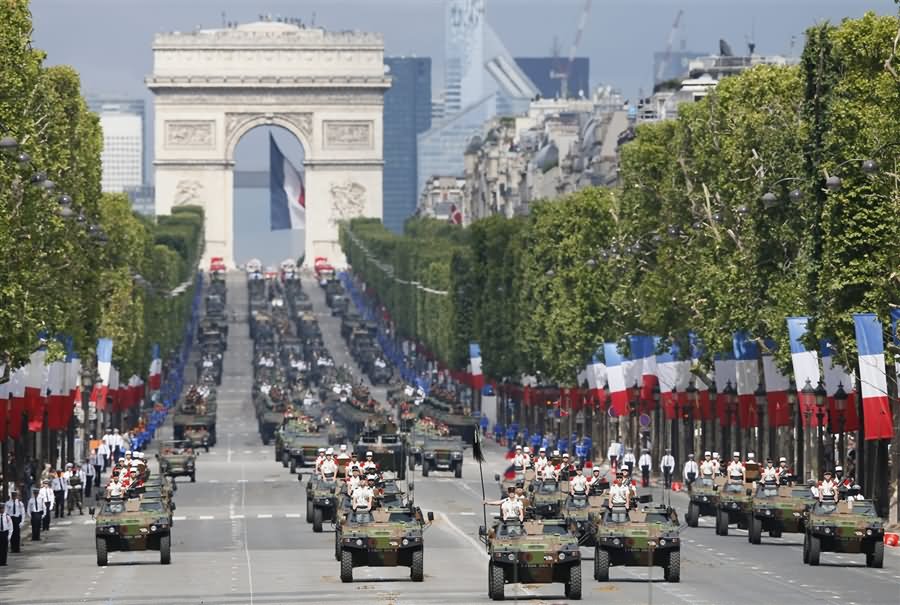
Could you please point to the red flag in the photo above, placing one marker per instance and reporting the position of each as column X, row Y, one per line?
column 850, row 415
column 4, row 405
column 779, row 411
column 747, row 411
column 667, row 398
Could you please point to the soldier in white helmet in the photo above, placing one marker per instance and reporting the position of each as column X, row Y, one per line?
column 578, row 485
column 707, row 466
column 369, row 465
column 735, row 470
column 541, row 462
column 519, row 460
column 717, row 464
column 328, row 468
column 320, row 457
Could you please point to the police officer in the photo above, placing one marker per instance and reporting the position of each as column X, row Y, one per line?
column 15, row 508
column 48, row 501
column 691, row 470
column 37, row 511
column 90, row 472
column 59, row 485
column 6, row 530
column 667, row 464
column 645, row 463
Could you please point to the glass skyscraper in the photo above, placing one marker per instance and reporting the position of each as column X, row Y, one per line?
column 407, row 113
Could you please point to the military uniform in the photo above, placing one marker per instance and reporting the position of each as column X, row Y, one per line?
column 578, row 484
column 15, row 508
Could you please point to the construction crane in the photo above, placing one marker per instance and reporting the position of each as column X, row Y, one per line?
column 563, row 74
column 661, row 68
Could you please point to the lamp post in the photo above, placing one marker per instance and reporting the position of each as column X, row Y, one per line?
column 687, row 418
column 794, row 454
column 633, row 400
column 840, row 405
column 821, row 396
column 730, row 405
column 760, row 395
column 807, row 401
column 693, row 397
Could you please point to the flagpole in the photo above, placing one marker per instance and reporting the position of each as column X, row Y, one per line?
column 479, row 456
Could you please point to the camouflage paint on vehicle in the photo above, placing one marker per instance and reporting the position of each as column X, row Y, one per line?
column 848, row 527
column 538, row 552
column 646, row 538
column 546, row 498
column 782, row 511
column 131, row 525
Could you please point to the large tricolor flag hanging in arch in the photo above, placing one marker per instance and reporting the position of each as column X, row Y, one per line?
column 877, row 418
column 746, row 362
column 615, row 375
column 287, row 205
column 806, row 369
column 155, row 374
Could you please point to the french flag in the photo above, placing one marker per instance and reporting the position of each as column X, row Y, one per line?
column 615, row 376
column 596, row 376
column 746, row 354
column 777, row 386
column 668, row 370
column 155, row 374
column 725, row 368
column 872, row 377
column 475, row 365
column 57, row 400
column 104, row 368
column 806, row 368
column 643, row 352
column 35, row 381
column 17, row 404
column 287, row 204
column 836, row 376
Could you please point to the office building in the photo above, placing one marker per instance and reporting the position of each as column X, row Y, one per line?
column 122, row 121
column 407, row 113
column 547, row 73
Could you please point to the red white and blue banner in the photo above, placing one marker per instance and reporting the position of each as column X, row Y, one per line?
column 287, row 204
column 777, row 386
column 35, row 384
column 806, row 369
column 877, row 418
column 674, row 375
column 596, row 376
column 836, row 375
column 154, row 377
column 615, row 376
column 475, row 365
column 746, row 362
column 104, row 368
column 643, row 352
column 895, row 320
column 725, row 369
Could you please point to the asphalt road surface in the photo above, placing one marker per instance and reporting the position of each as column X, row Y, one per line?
column 240, row 538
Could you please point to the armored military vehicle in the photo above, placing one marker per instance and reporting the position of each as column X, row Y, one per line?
column 849, row 526
column 386, row 537
column 388, row 451
column 547, row 497
column 778, row 510
column 134, row 524
column 734, row 506
column 704, row 495
column 176, row 459
column 322, row 498
column 533, row 552
column 197, row 435
column 638, row 538
column 300, row 447
column 582, row 513
column 442, row 454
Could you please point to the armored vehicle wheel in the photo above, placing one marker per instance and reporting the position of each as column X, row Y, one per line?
column 424, row 468
column 193, row 478
column 754, row 535
column 775, row 532
column 346, row 566
column 317, row 520
column 165, row 550
column 102, row 555
column 293, row 466
column 573, row 585
column 672, row 570
column 496, row 582
column 876, row 557
column 284, row 461
column 806, row 548
column 458, row 470
column 815, row 547
column 721, row 523
column 337, row 547
column 417, row 569
column 693, row 515
column 309, row 511
column 601, row 565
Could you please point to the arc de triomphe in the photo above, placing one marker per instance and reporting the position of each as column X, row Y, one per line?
column 327, row 88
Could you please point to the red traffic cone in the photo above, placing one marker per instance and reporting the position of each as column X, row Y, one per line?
column 891, row 540
column 676, row 486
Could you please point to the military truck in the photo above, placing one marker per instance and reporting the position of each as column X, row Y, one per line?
column 647, row 537
column 388, row 451
column 778, row 510
column 442, row 454
column 704, row 495
column 176, row 459
column 385, row 537
column 131, row 525
column 322, row 499
column 301, row 447
column 848, row 526
column 734, row 506
column 197, row 435
column 533, row 552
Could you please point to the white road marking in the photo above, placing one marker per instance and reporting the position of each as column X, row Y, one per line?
column 213, row 480
column 88, row 522
column 467, row 514
column 236, row 517
column 229, row 456
column 63, row 523
column 178, row 518
column 269, row 480
column 478, row 546
column 242, row 481
column 248, row 451
column 206, row 517
column 292, row 515
column 264, row 516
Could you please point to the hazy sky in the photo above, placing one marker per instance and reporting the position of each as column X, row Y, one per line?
column 109, row 41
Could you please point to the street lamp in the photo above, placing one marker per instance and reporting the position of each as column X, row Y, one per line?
column 731, row 404
column 840, row 405
column 693, row 397
column 821, row 396
column 760, row 395
column 807, row 402
column 633, row 400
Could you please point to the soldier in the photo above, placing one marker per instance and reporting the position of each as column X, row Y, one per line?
column 15, row 508
column 114, row 489
column 353, row 481
column 578, row 485
column 541, row 462
column 48, row 500
column 364, row 495
column 6, row 530
column 619, row 493
column 526, row 451
column 354, row 463
column 785, row 476
column 369, row 465
column 77, row 481
column 707, row 467
column 37, row 511
column 328, row 468
column 645, row 463
column 519, row 460
column 844, row 483
column 629, row 461
column 511, row 508
column 594, row 481
column 751, row 468
column 768, row 478
column 667, row 464
column 320, row 457
column 343, row 457
column 564, row 470
column 691, row 470
column 631, row 484
column 735, row 469
column 826, row 489
column 717, row 463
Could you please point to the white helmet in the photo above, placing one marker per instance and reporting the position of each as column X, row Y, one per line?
column 329, row 451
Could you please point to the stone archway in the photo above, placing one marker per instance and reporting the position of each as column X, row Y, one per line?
column 326, row 88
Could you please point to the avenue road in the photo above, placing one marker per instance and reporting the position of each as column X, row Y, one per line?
column 240, row 538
